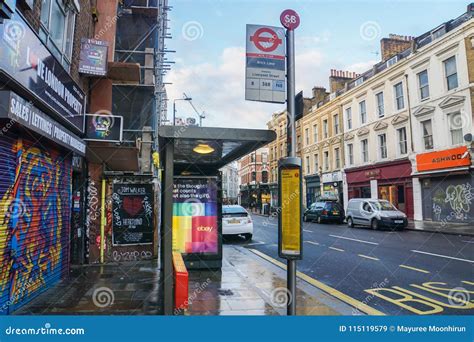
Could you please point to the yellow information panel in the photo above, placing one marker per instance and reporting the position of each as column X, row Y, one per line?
column 290, row 212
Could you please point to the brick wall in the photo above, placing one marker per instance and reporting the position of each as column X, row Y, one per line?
column 393, row 45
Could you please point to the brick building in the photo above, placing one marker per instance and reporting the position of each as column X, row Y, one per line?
column 254, row 178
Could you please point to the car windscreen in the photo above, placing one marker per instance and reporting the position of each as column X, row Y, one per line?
column 317, row 205
column 333, row 206
column 234, row 212
column 383, row 206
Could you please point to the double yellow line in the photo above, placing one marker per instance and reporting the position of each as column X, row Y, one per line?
column 331, row 291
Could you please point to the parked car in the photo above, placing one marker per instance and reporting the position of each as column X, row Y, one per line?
column 236, row 221
column 324, row 211
column 374, row 213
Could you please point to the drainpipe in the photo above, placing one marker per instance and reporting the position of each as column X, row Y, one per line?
column 102, row 222
column 409, row 114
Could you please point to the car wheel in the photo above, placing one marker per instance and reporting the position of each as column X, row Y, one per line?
column 305, row 219
column 320, row 220
column 350, row 223
column 248, row 236
column 374, row 224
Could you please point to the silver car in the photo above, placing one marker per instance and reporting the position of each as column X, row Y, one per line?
column 374, row 213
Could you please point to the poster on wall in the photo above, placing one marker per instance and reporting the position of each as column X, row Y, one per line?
column 195, row 224
column 132, row 214
column 93, row 58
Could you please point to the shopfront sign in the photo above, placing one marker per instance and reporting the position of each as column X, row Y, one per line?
column 93, row 58
column 17, row 109
column 452, row 158
column 332, row 177
column 104, row 127
column 28, row 63
column 265, row 64
column 195, row 213
column 372, row 174
column 132, row 214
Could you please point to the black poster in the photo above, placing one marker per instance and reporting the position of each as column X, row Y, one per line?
column 102, row 127
column 27, row 61
column 132, row 214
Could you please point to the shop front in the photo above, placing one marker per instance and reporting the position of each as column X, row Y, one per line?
column 447, row 186
column 389, row 181
column 313, row 189
column 332, row 186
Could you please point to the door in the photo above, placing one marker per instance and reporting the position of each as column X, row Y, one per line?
column 409, row 202
column 366, row 213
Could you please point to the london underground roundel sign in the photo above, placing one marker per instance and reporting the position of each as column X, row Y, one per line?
column 290, row 19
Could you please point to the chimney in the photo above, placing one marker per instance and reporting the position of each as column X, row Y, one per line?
column 339, row 78
column 394, row 44
column 319, row 94
column 470, row 7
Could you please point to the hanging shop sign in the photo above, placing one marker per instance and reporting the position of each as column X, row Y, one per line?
column 195, row 226
column 16, row 108
column 454, row 157
column 28, row 63
column 290, row 202
column 265, row 64
column 104, row 127
column 132, row 214
column 93, row 58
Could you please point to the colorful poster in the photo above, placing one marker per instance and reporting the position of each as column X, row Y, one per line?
column 195, row 228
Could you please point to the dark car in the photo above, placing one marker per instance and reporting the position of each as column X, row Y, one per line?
column 324, row 211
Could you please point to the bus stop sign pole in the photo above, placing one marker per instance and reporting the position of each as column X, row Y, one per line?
column 288, row 169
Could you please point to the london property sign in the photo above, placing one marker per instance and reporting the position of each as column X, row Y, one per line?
column 265, row 64
column 132, row 214
column 28, row 63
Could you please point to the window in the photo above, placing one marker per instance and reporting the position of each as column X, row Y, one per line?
column 364, row 145
column 383, row 146
column 402, row 140
column 392, row 61
column 337, row 157
column 325, row 129
column 336, row 123
column 281, row 151
column 380, row 106
column 350, row 154
column 451, row 72
column 427, row 134
column 57, row 29
column 316, row 163
column 264, row 157
column 349, row 118
column 315, row 134
column 308, row 166
column 399, row 101
column 423, row 84
column 326, row 160
column 363, row 112
column 306, row 136
column 252, row 157
column 455, row 128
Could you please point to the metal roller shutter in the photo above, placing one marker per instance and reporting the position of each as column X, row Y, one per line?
column 39, row 228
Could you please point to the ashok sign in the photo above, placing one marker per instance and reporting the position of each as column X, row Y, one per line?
column 455, row 157
column 265, row 67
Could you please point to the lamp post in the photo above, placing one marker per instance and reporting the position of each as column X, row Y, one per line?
column 174, row 107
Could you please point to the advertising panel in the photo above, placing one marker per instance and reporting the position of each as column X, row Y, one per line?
column 132, row 214
column 93, row 60
column 195, row 216
column 28, row 62
column 104, row 127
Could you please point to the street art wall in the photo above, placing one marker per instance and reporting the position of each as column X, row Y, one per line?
column 35, row 215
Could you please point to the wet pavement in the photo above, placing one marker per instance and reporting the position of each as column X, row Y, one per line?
column 112, row 289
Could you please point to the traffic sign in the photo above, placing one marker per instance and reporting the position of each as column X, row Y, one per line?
column 266, row 35
column 290, row 19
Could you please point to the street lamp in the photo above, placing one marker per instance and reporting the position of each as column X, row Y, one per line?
column 174, row 107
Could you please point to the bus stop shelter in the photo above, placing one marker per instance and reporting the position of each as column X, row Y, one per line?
column 196, row 151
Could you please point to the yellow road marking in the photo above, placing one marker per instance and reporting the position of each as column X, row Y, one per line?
column 313, row 243
column 331, row 291
column 368, row 257
column 414, row 269
column 336, row 249
column 467, row 282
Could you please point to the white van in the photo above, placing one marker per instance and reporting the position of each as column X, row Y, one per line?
column 374, row 213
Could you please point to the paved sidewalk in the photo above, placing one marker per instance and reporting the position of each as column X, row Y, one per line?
column 250, row 285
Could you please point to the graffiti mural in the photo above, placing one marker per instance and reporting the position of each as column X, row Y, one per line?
column 34, row 221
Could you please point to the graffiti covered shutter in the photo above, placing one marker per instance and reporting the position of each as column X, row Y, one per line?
column 39, row 229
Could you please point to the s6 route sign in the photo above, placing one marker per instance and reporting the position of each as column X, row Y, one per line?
column 290, row 19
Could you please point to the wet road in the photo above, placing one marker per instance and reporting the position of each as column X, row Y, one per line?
column 397, row 273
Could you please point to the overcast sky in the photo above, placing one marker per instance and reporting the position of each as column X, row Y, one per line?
column 209, row 37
